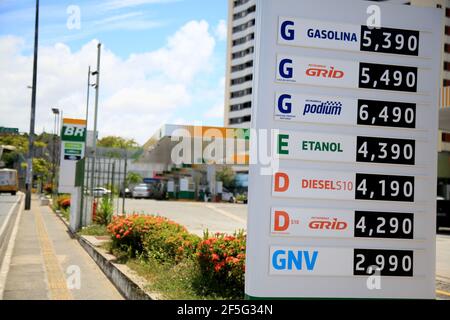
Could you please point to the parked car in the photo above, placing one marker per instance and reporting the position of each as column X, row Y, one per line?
column 157, row 190
column 127, row 193
column 100, row 192
column 443, row 213
column 141, row 191
column 228, row 196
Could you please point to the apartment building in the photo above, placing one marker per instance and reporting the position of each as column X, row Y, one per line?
column 240, row 53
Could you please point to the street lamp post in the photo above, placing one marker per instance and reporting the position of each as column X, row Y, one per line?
column 55, row 161
column 94, row 138
column 29, row 179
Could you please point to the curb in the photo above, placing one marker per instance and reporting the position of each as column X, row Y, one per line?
column 127, row 287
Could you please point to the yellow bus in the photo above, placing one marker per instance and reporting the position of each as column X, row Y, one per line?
column 9, row 182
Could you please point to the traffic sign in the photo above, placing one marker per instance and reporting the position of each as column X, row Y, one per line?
column 353, row 110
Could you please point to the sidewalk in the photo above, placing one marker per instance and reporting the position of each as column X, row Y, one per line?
column 47, row 264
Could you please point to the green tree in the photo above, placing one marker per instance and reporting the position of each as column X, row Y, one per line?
column 228, row 177
column 117, row 142
column 133, row 178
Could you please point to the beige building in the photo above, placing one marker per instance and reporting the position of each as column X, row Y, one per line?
column 239, row 72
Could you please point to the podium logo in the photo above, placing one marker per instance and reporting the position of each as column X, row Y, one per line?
column 294, row 260
column 324, row 108
column 321, row 71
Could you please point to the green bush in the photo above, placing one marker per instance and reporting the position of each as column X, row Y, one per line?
column 152, row 237
column 104, row 211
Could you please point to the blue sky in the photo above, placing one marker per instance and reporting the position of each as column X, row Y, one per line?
column 164, row 61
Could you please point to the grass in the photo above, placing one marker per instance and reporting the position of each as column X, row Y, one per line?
column 94, row 230
column 180, row 282
column 66, row 213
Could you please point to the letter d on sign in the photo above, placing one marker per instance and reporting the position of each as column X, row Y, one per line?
column 281, row 221
column 281, row 187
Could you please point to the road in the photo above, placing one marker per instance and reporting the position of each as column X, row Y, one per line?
column 195, row 216
column 227, row 217
column 6, row 203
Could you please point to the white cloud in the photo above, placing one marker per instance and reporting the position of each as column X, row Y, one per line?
column 137, row 95
column 119, row 4
column 221, row 30
column 215, row 112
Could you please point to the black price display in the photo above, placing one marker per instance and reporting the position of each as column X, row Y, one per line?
column 386, row 114
column 384, row 225
column 389, row 40
column 384, row 187
column 385, row 150
column 399, row 263
column 387, row 77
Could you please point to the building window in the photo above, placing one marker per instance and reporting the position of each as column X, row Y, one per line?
column 242, row 40
column 242, row 66
column 241, row 106
column 241, row 80
column 241, row 93
column 447, row 30
column 242, row 53
column 446, row 83
column 238, row 3
column 447, row 12
column 244, row 26
column 447, row 48
column 446, row 66
column 244, row 13
column 240, row 120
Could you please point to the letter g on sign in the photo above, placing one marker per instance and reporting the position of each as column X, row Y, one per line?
column 283, row 105
column 287, row 33
column 286, row 70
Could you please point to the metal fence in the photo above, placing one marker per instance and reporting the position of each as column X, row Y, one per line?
column 108, row 170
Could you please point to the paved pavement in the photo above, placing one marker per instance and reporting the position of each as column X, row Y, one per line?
column 6, row 202
column 47, row 264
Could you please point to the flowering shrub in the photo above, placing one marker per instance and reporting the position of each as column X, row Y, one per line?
column 63, row 202
column 222, row 259
column 219, row 259
column 152, row 236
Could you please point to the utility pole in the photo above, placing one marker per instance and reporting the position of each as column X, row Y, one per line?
column 94, row 144
column 83, row 207
column 29, row 178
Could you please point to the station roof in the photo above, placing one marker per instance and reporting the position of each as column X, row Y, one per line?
column 201, row 140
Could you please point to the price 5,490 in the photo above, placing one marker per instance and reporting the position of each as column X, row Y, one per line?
column 387, row 77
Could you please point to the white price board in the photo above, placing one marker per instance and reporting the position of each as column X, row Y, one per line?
column 353, row 115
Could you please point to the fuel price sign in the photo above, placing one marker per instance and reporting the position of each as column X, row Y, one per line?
column 352, row 109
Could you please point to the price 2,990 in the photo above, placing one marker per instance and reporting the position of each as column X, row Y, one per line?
column 390, row 40
column 399, row 263
column 387, row 77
